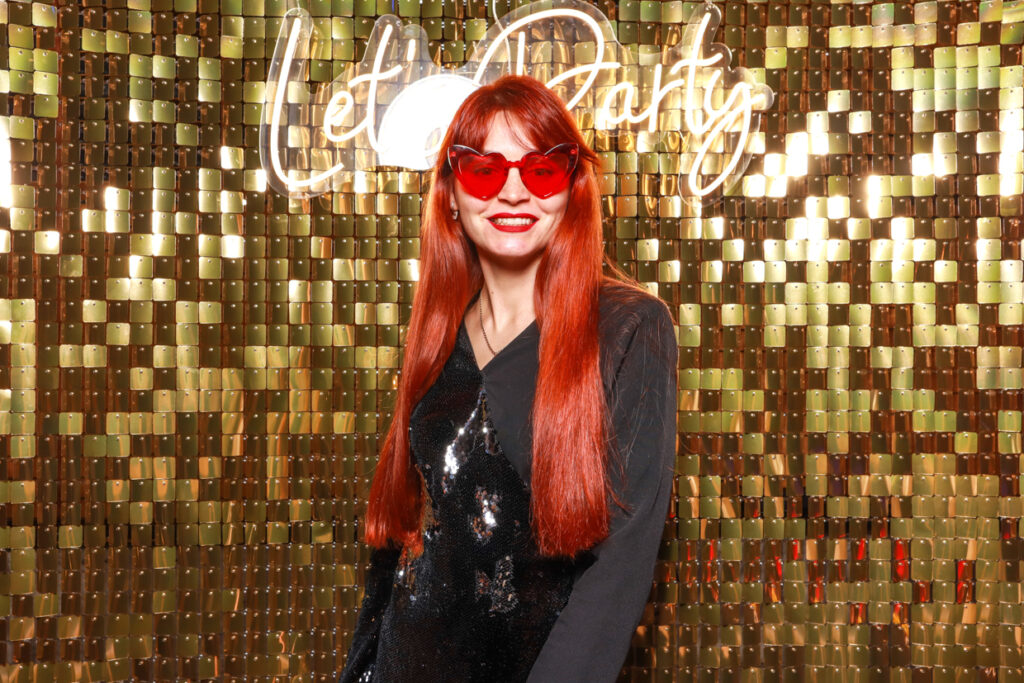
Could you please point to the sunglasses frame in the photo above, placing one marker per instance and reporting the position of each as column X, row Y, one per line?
column 572, row 150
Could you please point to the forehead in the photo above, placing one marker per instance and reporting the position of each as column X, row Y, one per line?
column 505, row 134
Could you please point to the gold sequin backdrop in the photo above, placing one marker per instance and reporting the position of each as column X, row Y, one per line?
column 195, row 371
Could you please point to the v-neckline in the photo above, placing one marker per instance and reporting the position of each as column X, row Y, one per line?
column 472, row 354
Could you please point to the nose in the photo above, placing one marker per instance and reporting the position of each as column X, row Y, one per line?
column 513, row 191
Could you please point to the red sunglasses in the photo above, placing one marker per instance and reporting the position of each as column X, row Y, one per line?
column 483, row 175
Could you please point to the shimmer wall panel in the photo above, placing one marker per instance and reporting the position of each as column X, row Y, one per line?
column 195, row 372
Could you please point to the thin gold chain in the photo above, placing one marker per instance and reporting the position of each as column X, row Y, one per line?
column 480, row 313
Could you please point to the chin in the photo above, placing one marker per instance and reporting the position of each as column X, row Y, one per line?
column 512, row 258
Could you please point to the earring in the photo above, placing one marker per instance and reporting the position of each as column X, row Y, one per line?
column 455, row 214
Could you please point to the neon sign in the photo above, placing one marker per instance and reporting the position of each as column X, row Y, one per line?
column 395, row 105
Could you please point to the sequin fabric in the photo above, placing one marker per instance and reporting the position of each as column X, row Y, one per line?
column 486, row 519
column 479, row 602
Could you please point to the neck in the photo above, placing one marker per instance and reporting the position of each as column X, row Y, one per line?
column 509, row 295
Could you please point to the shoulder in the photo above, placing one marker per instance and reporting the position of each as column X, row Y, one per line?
column 626, row 309
column 632, row 321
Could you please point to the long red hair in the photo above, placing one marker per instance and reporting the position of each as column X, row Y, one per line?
column 569, row 481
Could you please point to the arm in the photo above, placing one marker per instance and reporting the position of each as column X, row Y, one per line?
column 363, row 651
column 591, row 637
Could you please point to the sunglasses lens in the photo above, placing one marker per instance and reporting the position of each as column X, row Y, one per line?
column 547, row 174
column 481, row 176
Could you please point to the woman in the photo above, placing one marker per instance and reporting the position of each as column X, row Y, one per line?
column 522, row 487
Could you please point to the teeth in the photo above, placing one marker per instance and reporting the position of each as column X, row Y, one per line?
column 512, row 221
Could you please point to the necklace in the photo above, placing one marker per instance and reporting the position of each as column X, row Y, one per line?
column 480, row 314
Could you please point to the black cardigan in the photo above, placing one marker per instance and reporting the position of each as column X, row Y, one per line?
column 591, row 630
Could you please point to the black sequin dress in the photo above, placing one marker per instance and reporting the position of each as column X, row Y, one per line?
column 478, row 603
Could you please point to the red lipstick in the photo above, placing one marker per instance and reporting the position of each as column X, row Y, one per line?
column 527, row 222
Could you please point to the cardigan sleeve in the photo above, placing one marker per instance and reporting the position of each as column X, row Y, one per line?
column 591, row 637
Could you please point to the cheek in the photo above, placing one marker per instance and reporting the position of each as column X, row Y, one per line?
column 463, row 199
column 466, row 204
column 556, row 206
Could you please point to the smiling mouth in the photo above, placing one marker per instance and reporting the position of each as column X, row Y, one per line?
column 512, row 223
